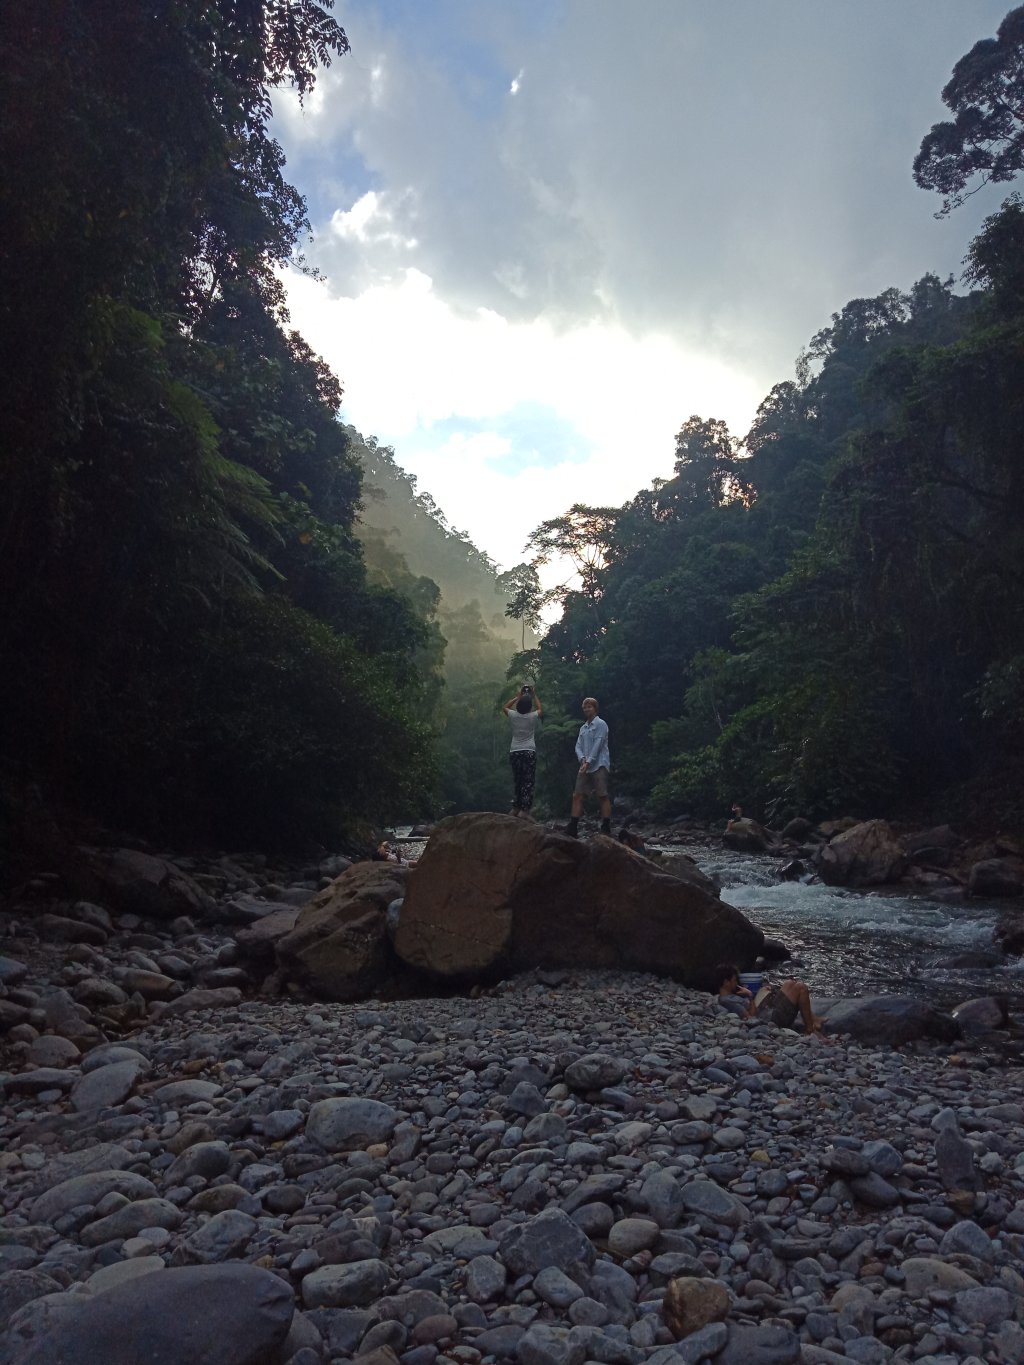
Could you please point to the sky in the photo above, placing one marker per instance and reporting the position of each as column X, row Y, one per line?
column 550, row 231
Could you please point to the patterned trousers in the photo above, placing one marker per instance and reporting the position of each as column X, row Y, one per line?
column 524, row 773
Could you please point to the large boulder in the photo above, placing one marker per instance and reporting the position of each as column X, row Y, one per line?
column 339, row 948
column 747, row 836
column 997, row 877
column 886, row 1019
column 869, row 854
column 140, row 884
column 492, row 894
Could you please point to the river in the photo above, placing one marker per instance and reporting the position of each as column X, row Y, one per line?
column 847, row 942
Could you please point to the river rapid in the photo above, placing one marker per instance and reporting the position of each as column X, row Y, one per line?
column 866, row 942
column 845, row 942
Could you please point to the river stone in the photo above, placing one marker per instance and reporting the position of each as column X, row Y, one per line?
column 40, row 1079
column 208, row 1159
column 89, row 1189
column 186, row 1092
column 967, row 1238
column 707, row 1198
column 130, row 1220
column 106, row 1054
column 997, row 877
column 882, row 1156
column 595, row 1071
column 485, row 1279
column 215, row 998
column 922, row 1273
column 258, row 942
column 549, row 1239
column 663, row 1195
column 353, row 1285
column 12, row 971
column 105, row 1156
column 52, row 1051
column 988, row 1305
column 982, row 1015
column 869, row 854
column 107, row 1086
column 555, row 1288
column 700, row 1345
column 771, row 1344
column 18, row 1287
column 119, row 1272
column 492, row 893
column 548, row 1343
column 224, row 1237
column 630, row 1235
column 954, row 1157
column 690, row 1304
column 231, row 1314
column 348, row 1123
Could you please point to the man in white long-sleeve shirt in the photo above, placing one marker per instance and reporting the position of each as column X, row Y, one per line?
column 595, row 762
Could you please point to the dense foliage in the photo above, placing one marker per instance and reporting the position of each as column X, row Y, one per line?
column 829, row 614
column 191, row 642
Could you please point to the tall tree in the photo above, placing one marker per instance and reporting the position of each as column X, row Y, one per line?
column 984, row 144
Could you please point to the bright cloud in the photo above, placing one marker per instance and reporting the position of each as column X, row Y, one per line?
column 652, row 225
column 409, row 361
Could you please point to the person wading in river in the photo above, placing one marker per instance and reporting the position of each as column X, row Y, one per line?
column 592, row 752
column 523, row 711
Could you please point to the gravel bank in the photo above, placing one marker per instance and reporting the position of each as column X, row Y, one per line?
column 599, row 1167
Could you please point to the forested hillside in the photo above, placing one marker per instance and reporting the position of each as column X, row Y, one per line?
column 828, row 614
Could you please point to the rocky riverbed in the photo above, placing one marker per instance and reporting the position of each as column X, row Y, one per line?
column 575, row 1167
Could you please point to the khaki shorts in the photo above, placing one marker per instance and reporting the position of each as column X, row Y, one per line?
column 592, row 783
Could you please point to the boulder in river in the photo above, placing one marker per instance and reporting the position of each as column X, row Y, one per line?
column 869, row 854
column 747, row 836
column 887, row 1019
column 496, row 894
column 997, row 877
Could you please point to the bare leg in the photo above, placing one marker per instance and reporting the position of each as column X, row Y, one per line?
column 801, row 998
column 577, row 805
column 606, row 808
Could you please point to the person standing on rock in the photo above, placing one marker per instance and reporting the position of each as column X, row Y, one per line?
column 595, row 763
column 523, row 711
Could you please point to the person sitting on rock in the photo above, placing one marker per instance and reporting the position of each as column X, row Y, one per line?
column 386, row 854
column 735, row 813
column 780, row 1007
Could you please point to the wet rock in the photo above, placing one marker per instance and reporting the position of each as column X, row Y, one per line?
column 866, row 855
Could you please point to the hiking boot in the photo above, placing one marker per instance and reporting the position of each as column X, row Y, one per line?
column 606, row 827
column 572, row 828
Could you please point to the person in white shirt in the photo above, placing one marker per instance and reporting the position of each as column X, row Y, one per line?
column 523, row 711
column 595, row 763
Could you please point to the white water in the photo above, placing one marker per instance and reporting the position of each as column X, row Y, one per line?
column 858, row 942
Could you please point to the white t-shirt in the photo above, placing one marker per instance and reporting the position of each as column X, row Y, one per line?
column 524, row 730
